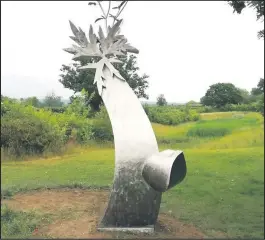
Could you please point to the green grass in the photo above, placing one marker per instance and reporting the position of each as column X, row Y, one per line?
column 172, row 135
column 220, row 127
column 16, row 224
column 90, row 168
column 223, row 190
column 222, row 115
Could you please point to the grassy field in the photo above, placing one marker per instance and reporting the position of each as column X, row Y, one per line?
column 223, row 190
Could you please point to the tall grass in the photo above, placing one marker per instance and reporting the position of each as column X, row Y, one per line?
column 18, row 225
column 253, row 137
column 219, row 127
column 222, row 115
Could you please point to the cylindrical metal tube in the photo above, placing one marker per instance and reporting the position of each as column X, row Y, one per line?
column 164, row 170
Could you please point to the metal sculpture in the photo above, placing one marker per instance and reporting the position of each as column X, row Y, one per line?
column 142, row 173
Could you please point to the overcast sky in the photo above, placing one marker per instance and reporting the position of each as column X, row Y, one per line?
column 184, row 46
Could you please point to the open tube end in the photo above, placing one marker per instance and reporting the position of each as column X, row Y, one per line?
column 165, row 170
column 178, row 171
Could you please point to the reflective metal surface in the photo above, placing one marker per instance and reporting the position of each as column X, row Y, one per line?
column 141, row 172
column 164, row 170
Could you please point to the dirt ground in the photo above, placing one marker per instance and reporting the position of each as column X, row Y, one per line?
column 76, row 213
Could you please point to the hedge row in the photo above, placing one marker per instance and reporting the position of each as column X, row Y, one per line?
column 252, row 107
column 171, row 115
column 28, row 130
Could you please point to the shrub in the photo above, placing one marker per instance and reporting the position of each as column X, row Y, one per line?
column 28, row 135
column 252, row 107
column 193, row 115
column 171, row 115
column 101, row 130
column 207, row 109
column 257, row 106
column 25, row 129
column 56, row 109
column 101, row 127
column 79, row 129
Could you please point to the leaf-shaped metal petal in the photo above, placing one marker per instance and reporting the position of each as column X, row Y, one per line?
column 86, row 49
column 112, row 44
column 83, row 36
column 98, row 74
column 109, row 28
column 74, row 29
column 122, row 42
column 118, row 37
column 77, row 40
column 118, row 32
column 70, row 50
column 115, row 45
column 100, row 33
column 79, row 35
column 84, row 56
column 81, row 31
column 114, row 29
column 76, row 48
column 92, row 36
column 131, row 49
column 113, row 70
column 118, row 53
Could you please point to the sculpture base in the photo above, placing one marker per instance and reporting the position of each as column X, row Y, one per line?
column 147, row 229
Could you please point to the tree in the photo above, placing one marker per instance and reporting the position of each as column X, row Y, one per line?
column 238, row 6
column 76, row 80
column 161, row 100
column 220, row 94
column 32, row 101
column 78, row 105
column 257, row 95
column 51, row 100
column 246, row 98
column 191, row 102
column 259, row 89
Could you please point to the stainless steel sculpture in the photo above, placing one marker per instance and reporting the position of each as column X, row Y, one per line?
column 142, row 173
